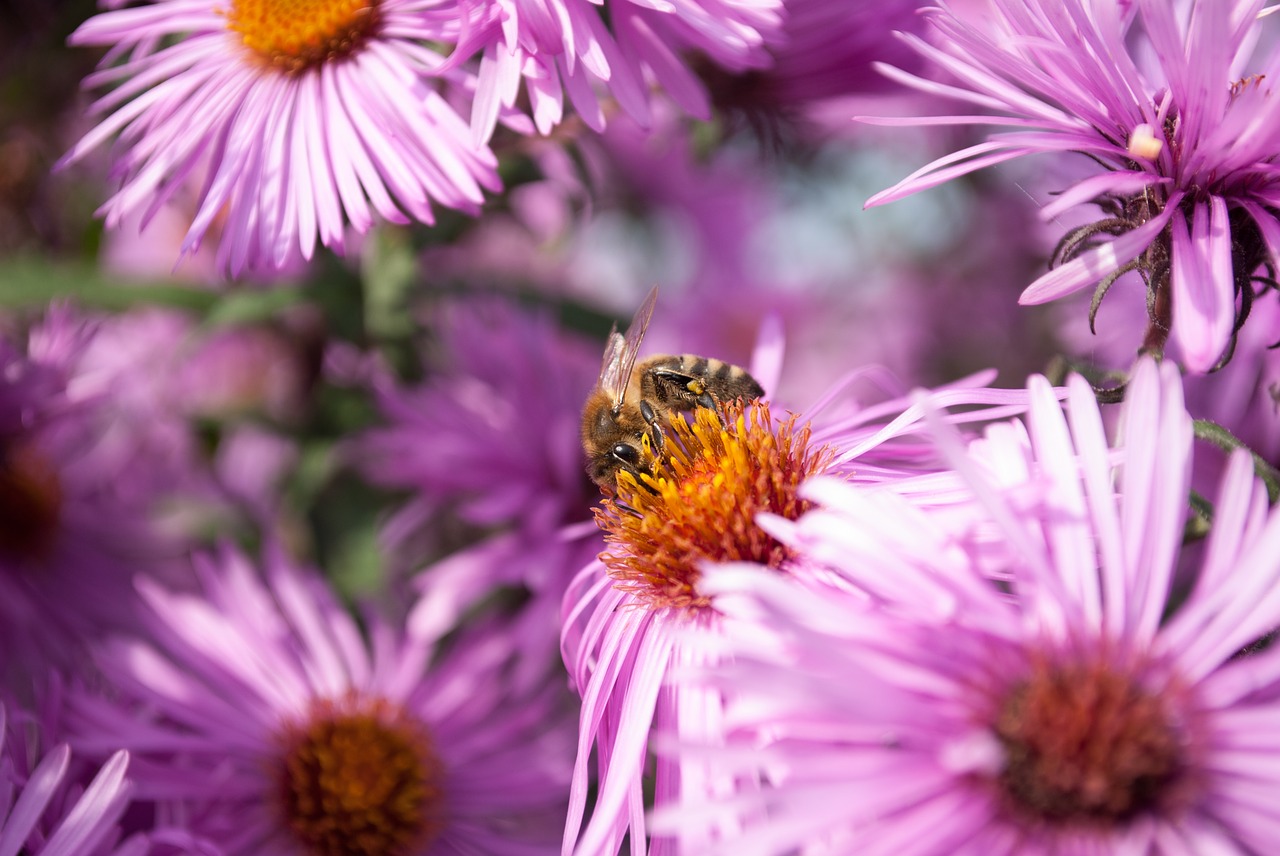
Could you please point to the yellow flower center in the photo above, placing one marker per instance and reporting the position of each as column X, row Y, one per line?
column 360, row 778
column 30, row 503
column 293, row 35
column 712, row 480
column 1087, row 744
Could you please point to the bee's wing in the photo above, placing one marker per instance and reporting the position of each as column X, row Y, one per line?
column 620, row 353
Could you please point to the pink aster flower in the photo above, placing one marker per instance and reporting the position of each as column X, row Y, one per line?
column 824, row 51
column 45, row 810
column 578, row 50
column 87, row 468
column 261, row 716
column 499, row 414
column 1172, row 103
column 295, row 122
column 630, row 614
column 1085, row 705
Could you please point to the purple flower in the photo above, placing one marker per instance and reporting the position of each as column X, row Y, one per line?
column 630, row 616
column 86, row 467
column 1085, row 704
column 824, row 51
column 260, row 715
column 577, row 50
column 44, row 810
column 494, row 430
column 295, row 122
column 1173, row 102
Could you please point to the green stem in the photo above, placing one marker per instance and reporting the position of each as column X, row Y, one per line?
column 1225, row 440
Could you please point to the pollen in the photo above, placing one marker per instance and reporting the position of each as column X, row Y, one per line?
column 294, row 35
column 716, row 473
column 360, row 778
column 30, row 503
column 1088, row 745
column 1143, row 143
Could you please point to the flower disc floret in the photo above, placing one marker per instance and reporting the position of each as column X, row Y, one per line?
column 716, row 474
column 359, row 778
column 30, row 503
column 1087, row 743
column 297, row 34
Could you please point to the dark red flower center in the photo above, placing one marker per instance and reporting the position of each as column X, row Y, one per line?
column 30, row 503
column 360, row 778
column 1087, row 744
column 294, row 35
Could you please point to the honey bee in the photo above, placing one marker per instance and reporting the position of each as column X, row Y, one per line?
column 630, row 399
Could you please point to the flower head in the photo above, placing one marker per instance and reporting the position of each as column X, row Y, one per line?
column 276, row 728
column 576, row 50
column 1083, row 704
column 501, row 407
column 297, row 120
column 825, row 51
column 88, row 460
column 1173, row 102
column 701, row 503
column 718, row 495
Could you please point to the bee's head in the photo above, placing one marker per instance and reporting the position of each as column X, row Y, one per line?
column 621, row 456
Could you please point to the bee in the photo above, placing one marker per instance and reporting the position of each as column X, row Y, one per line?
column 621, row 420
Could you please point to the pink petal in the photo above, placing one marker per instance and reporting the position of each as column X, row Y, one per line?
column 1203, row 285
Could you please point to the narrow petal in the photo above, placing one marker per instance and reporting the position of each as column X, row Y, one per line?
column 1203, row 285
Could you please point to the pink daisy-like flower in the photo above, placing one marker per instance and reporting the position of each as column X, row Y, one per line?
column 44, row 811
column 297, row 120
column 575, row 50
column 824, row 51
column 87, row 465
column 629, row 614
column 1173, row 102
column 1084, row 705
column 499, row 412
column 261, row 717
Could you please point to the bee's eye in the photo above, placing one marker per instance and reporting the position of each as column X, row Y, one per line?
column 627, row 454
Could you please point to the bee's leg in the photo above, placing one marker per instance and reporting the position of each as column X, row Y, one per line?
column 702, row 397
column 655, row 430
column 626, row 509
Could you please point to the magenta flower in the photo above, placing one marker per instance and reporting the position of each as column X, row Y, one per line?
column 579, row 50
column 630, row 615
column 44, row 810
column 261, row 715
column 295, row 122
column 501, row 409
column 1084, row 705
column 824, row 51
column 1172, row 102
column 88, row 462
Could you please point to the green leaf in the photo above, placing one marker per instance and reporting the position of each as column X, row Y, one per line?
column 390, row 268
column 31, row 282
column 251, row 306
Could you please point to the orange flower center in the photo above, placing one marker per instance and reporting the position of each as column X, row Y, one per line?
column 702, row 500
column 1086, row 744
column 293, row 35
column 360, row 778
